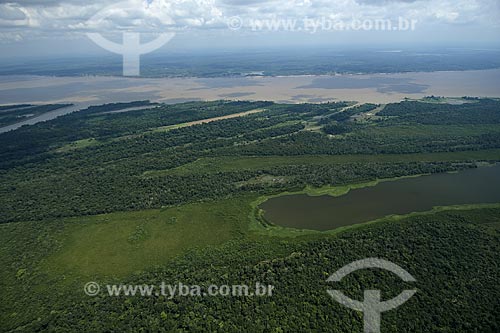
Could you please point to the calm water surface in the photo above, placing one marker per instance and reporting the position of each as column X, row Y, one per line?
column 403, row 196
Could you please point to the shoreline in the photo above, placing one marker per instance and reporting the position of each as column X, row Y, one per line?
column 259, row 224
column 333, row 74
column 377, row 88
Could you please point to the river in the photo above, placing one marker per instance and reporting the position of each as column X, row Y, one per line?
column 375, row 88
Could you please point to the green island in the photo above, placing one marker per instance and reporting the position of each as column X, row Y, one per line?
column 173, row 192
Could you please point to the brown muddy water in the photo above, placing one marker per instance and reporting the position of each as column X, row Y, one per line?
column 372, row 88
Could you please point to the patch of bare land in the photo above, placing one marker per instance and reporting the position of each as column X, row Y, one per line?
column 209, row 120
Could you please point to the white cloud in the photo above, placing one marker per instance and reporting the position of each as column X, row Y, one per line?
column 12, row 15
column 68, row 17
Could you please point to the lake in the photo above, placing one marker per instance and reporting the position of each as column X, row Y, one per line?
column 472, row 186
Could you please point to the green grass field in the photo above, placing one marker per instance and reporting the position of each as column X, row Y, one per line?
column 80, row 144
column 118, row 244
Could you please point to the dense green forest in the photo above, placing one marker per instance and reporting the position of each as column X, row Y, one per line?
column 453, row 256
column 92, row 162
column 165, row 193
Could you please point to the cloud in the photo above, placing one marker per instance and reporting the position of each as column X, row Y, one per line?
column 12, row 16
column 63, row 17
column 383, row 2
column 11, row 13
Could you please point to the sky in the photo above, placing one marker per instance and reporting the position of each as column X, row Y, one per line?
column 50, row 27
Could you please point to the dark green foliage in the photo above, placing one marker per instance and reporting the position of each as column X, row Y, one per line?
column 452, row 255
column 308, row 111
column 347, row 114
column 339, row 128
column 274, row 132
column 371, row 141
column 31, row 144
column 110, row 174
column 483, row 111
column 103, row 191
